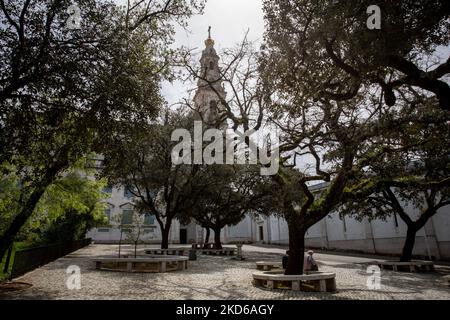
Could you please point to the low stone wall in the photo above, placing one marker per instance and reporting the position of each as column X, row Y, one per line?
column 223, row 251
column 185, row 251
column 408, row 266
column 170, row 251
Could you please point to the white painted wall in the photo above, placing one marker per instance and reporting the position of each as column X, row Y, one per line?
column 357, row 235
column 441, row 224
column 118, row 202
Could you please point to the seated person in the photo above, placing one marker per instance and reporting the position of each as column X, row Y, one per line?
column 284, row 260
column 310, row 264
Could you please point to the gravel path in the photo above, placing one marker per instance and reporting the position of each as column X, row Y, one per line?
column 219, row 277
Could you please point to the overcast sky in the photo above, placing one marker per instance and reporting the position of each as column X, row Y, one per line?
column 229, row 20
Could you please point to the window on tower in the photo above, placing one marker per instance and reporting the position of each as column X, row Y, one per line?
column 211, row 65
column 213, row 107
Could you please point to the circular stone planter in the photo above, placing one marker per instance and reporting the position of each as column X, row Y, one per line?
column 408, row 266
column 312, row 281
column 142, row 264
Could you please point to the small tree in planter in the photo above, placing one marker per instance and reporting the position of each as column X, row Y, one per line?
column 134, row 231
column 116, row 222
column 132, row 224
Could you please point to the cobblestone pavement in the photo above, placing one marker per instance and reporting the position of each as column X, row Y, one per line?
column 219, row 277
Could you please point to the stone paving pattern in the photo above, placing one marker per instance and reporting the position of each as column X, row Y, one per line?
column 220, row 277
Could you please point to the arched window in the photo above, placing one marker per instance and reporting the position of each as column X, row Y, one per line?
column 211, row 65
column 127, row 216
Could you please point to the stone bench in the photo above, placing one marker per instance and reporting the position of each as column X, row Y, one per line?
column 446, row 280
column 223, row 251
column 170, row 251
column 411, row 266
column 185, row 251
column 268, row 265
column 199, row 246
column 142, row 264
column 311, row 281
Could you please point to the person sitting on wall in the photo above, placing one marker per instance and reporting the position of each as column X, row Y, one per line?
column 310, row 263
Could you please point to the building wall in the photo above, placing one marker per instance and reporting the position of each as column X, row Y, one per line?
column 377, row 236
column 332, row 233
column 240, row 232
column 118, row 202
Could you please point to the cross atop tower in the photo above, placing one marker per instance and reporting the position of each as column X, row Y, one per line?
column 209, row 42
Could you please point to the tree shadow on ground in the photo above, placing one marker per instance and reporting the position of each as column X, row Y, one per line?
column 414, row 282
column 225, row 291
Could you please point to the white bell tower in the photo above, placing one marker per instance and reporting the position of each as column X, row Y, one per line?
column 209, row 85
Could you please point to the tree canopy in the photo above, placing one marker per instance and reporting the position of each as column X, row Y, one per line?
column 66, row 92
column 327, row 46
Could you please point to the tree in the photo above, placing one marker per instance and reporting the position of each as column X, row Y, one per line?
column 143, row 163
column 132, row 226
column 232, row 193
column 326, row 133
column 335, row 136
column 418, row 177
column 65, row 92
column 307, row 39
column 70, row 206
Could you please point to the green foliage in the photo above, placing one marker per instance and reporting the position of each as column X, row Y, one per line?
column 65, row 93
column 419, row 175
column 9, row 193
column 68, row 208
column 231, row 193
column 142, row 160
column 328, row 45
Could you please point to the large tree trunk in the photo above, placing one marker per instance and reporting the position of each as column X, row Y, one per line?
column 409, row 244
column 7, row 238
column 217, row 243
column 165, row 237
column 296, row 248
column 208, row 234
column 120, row 240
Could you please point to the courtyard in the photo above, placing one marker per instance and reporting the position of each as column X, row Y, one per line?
column 220, row 278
